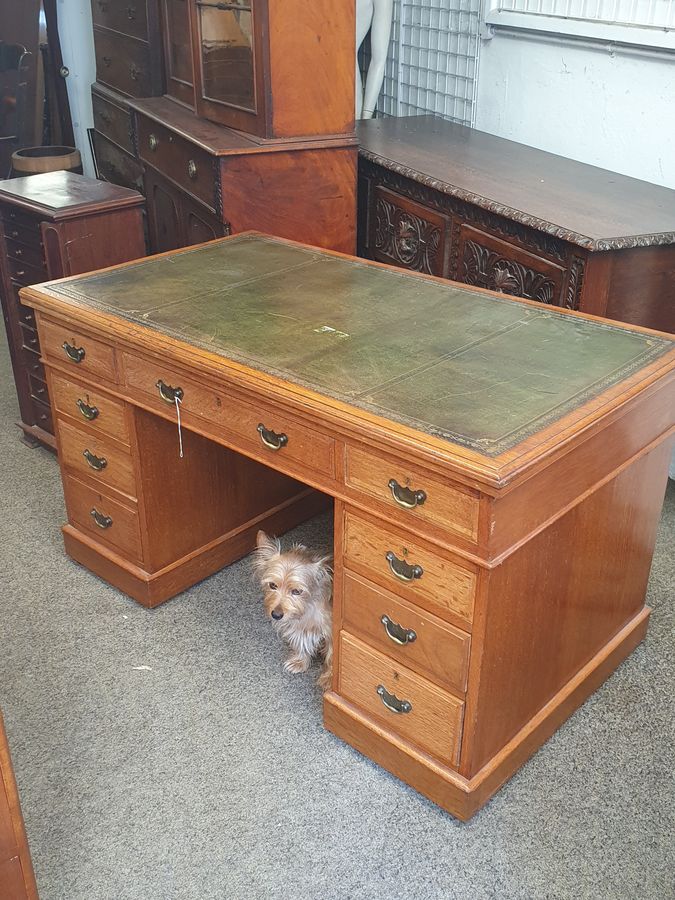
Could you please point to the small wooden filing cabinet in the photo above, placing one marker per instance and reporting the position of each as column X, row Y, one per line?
column 53, row 225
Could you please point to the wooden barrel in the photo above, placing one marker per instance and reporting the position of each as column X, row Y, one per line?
column 32, row 160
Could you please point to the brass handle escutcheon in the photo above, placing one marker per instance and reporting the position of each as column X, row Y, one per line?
column 404, row 496
column 167, row 393
column 271, row 439
column 153, row 142
column 95, row 462
column 72, row 352
column 131, row 12
column 401, row 569
column 392, row 702
column 89, row 412
column 396, row 632
column 107, row 60
column 101, row 520
column 192, row 169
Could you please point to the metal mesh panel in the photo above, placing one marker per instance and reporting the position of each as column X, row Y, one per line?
column 433, row 59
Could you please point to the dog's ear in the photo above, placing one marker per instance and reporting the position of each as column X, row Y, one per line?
column 267, row 548
column 324, row 566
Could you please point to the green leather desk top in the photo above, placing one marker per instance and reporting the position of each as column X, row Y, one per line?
column 479, row 370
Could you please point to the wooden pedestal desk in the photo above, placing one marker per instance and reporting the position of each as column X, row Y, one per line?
column 497, row 470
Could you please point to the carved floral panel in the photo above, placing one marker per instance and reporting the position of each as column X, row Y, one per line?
column 489, row 269
column 406, row 238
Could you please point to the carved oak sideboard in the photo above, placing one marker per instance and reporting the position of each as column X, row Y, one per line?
column 448, row 200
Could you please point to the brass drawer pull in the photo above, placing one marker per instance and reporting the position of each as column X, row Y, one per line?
column 271, row 439
column 107, row 60
column 153, row 143
column 131, row 12
column 18, row 254
column 192, row 169
column 392, row 702
column 95, row 462
column 14, row 233
column 76, row 354
column 101, row 520
column 401, row 569
column 404, row 496
column 396, row 632
column 89, row 412
column 104, row 117
column 20, row 273
column 102, row 5
column 134, row 71
column 167, row 393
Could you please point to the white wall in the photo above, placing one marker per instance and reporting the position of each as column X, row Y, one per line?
column 77, row 49
column 611, row 107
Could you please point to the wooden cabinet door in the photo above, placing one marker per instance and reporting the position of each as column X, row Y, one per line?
column 178, row 50
column 200, row 224
column 164, row 213
column 490, row 262
column 405, row 233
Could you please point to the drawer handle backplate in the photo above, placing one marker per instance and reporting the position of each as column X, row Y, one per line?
column 271, row 439
column 89, row 412
column 131, row 12
column 77, row 354
column 101, row 520
column 167, row 393
column 396, row 632
column 153, row 142
column 392, row 702
column 95, row 462
column 192, row 169
column 401, row 569
column 404, row 496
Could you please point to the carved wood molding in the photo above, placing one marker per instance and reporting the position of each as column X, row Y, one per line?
column 492, row 206
column 410, row 240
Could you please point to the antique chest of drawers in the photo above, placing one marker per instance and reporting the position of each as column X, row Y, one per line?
column 497, row 471
column 54, row 225
column 448, row 200
column 17, row 879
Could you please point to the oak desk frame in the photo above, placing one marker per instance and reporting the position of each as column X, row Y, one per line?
column 536, row 558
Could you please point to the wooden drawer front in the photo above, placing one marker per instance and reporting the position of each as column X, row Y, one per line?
column 443, row 587
column 38, row 389
column 190, row 167
column 23, row 273
column 27, row 233
column 122, row 62
column 121, row 531
column 29, row 338
column 17, row 218
column 117, row 469
column 127, row 16
column 116, row 166
column 434, row 719
column 408, row 234
column 234, row 416
column 86, row 354
column 100, row 412
column 43, row 416
column 26, row 253
column 420, row 641
column 441, row 504
column 113, row 122
column 489, row 262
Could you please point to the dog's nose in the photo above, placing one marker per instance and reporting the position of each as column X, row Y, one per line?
column 277, row 614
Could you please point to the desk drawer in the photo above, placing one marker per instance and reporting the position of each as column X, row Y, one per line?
column 95, row 457
column 123, row 62
column 424, row 575
column 29, row 338
column 188, row 166
column 126, row 17
column 407, row 635
column 430, row 717
column 103, row 519
column 16, row 218
column 235, row 417
column 100, row 412
column 112, row 121
column 86, row 354
column 419, row 496
column 24, row 273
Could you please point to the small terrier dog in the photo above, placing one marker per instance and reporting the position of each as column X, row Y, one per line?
column 297, row 585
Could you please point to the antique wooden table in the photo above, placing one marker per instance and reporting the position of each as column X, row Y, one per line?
column 497, row 469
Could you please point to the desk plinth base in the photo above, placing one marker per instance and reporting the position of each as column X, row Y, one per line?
column 460, row 796
column 152, row 589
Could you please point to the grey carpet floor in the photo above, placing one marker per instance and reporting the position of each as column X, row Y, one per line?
column 163, row 754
